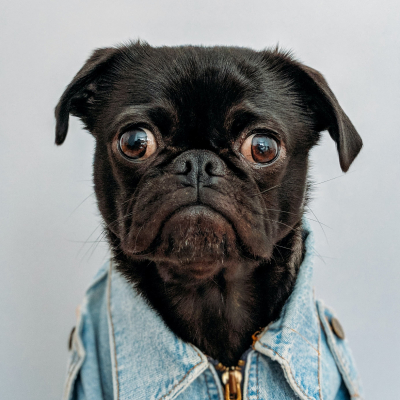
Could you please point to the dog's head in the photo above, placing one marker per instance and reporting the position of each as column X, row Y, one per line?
column 202, row 153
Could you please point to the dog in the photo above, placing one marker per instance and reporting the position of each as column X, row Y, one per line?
column 201, row 178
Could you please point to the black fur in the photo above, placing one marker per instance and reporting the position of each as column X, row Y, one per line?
column 212, row 241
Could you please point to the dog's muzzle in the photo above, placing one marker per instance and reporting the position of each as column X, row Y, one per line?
column 197, row 214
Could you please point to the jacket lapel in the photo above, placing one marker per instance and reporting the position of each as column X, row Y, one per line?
column 150, row 361
column 294, row 339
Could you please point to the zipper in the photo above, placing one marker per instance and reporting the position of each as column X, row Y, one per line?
column 231, row 379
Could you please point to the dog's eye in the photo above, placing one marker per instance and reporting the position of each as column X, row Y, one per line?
column 260, row 148
column 138, row 143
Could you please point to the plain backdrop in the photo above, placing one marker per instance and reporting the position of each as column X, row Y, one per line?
column 49, row 224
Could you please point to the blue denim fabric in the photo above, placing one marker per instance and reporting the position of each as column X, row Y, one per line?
column 122, row 350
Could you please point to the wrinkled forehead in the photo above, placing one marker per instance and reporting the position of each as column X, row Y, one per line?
column 202, row 91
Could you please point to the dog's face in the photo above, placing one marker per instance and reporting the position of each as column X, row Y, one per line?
column 200, row 174
column 201, row 153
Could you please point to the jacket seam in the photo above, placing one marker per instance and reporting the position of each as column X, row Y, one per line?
column 97, row 279
column 257, row 377
column 78, row 349
column 319, row 354
column 343, row 365
column 218, row 385
column 208, row 390
column 335, row 350
column 112, row 330
column 247, row 375
column 288, row 369
column 76, row 363
column 309, row 343
column 72, row 377
column 187, row 373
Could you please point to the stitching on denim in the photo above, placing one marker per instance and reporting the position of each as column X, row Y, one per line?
column 339, row 360
column 248, row 383
column 208, row 391
column 288, row 327
column 344, row 365
column 71, row 378
column 319, row 345
column 187, row 373
column 76, row 360
column 289, row 369
column 257, row 379
column 68, row 386
column 329, row 335
column 248, row 371
column 319, row 354
column 71, row 369
column 218, row 386
column 112, row 329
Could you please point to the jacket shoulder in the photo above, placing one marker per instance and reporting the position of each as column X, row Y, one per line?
column 340, row 349
column 89, row 373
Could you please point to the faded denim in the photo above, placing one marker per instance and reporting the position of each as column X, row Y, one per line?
column 122, row 350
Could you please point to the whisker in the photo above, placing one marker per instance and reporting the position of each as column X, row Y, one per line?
column 107, row 255
column 331, row 179
column 310, row 219
column 93, row 246
column 319, row 256
column 277, row 247
column 323, row 230
column 282, row 247
column 137, row 235
column 119, row 219
column 266, row 190
column 279, row 222
column 97, row 227
column 329, row 258
column 86, row 241
column 69, row 216
column 216, row 283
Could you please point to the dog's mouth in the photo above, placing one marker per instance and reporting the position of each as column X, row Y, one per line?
column 195, row 240
column 197, row 231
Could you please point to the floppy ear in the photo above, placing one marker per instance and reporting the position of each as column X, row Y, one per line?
column 331, row 116
column 78, row 97
column 322, row 103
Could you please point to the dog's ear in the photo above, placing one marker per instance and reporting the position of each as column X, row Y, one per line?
column 78, row 97
column 322, row 103
column 330, row 116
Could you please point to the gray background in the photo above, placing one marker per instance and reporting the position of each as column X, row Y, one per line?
column 45, row 264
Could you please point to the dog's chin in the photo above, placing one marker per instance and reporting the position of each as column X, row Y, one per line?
column 194, row 242
column 189, row 274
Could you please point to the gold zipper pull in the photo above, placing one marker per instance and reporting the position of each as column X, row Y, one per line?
column 231, row 378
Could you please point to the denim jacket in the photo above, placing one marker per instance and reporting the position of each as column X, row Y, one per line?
column 121, row 349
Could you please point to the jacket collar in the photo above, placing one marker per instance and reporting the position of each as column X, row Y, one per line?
column 294, row 339
column 150, row 361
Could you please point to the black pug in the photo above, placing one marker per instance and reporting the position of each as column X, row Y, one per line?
column 200, row 174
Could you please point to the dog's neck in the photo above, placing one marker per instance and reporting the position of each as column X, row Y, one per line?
column 219, row 316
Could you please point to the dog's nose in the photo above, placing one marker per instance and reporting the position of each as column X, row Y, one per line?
column 198, row 167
